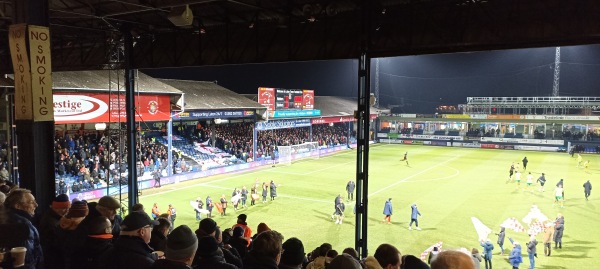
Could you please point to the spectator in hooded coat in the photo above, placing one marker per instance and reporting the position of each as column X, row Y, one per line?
column 487, row 252
column 501, row 236
column 515, row 258
column 558, row 230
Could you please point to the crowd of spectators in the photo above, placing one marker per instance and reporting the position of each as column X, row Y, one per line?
column 78, row 234
column 86, row 161
column 236, row 138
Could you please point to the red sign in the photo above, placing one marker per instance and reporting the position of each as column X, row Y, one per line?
column 333, row 120
column 308, row 99
column 266, row 97
column 489, row 146
column 102, row 107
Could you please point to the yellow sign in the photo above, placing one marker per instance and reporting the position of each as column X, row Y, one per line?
column 20, row 60
column 41, row 73
column 456, row 116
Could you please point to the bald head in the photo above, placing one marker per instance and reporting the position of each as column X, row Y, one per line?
column 452, row 259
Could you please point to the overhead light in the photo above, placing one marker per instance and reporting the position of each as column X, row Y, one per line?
column 181, row 16
column 101, row 126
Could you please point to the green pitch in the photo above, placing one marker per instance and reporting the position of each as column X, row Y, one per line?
column 450, row 185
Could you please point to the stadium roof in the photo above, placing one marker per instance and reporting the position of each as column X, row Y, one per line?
column 99, row 81
column 177, row 33
column 209, row 95
column 102, row 81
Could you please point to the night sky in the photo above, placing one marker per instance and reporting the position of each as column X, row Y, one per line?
column 418, row 84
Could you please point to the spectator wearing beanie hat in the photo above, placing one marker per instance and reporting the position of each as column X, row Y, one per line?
column 180, row 250
column 293, row 254
column 206, row 227
column 97, row 251
column 241, row 222
column 78, row 211
column 66, row 233
column 209, row 255
column 48, row 225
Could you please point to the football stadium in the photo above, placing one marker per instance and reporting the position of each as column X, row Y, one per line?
column 304, row 134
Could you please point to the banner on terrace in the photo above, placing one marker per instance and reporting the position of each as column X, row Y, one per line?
column 101, row 107
column 280, row 124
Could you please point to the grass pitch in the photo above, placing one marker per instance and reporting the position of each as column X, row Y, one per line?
column 449, row 185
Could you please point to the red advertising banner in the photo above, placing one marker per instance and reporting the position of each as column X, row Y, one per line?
column 266, row 97
column 333, row 120
column 308, row 99
column 489, row 146
column 102, row 107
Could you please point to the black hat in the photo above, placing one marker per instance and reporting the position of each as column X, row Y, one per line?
column 411, row 261
column 238, row 231
column 182, row 243
column 207, row 245
column 61, row 201
column 137, row 220
column 208, row 225
column 242, row 217
column 293, row 253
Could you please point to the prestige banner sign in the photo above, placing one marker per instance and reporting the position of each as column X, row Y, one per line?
column 101, row 107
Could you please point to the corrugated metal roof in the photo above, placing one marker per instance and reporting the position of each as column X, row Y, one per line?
column 98, row 80
column 7, row 82
column 209, row 95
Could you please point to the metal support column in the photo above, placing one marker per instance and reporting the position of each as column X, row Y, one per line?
column 35, row 139
column 254, row 141
column 132, row 191
column 362, row 150
column 169, row 165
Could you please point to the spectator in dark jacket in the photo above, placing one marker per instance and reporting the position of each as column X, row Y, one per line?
column 238, row 241
column 21, row 205
column 209, row 255
column 97, row 251
column 49, row 224
column 266, row 251
column 66, row 235
column 159, row 234
column 131, row 248
column 107, row 206
column 293, row 254
column 180, row 249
